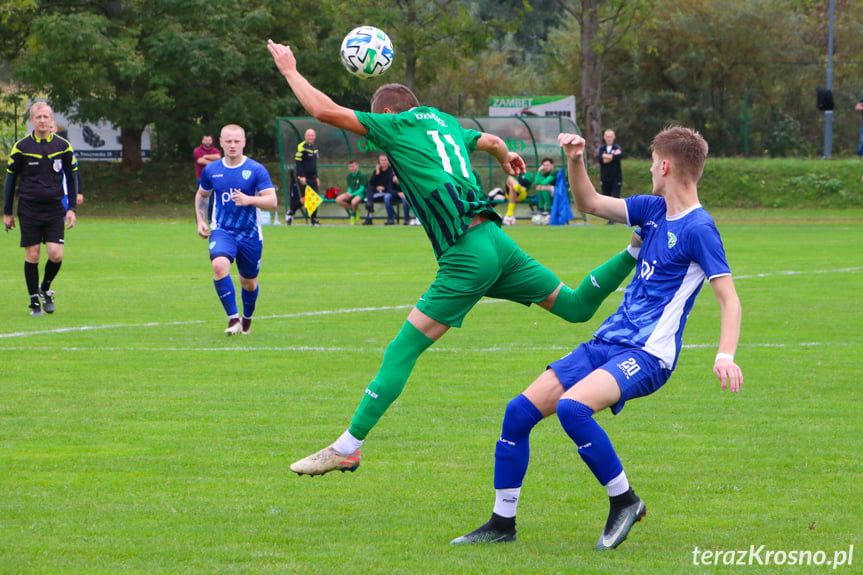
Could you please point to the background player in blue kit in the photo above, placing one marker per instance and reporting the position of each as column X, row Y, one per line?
column 241, row 186
column 635, row 351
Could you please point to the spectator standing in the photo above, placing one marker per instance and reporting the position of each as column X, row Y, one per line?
column 38, row 164
column 240, row 186
column 859, row 108
column 609, row 156
column 610, row 175
column 204, row 155
column 351, row 199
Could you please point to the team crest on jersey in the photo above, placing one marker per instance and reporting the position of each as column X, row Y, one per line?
column 672, row 240
column 247, row 174
column 58, row 166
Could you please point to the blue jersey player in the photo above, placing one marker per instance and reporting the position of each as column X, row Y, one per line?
column 242, row 187
column 635, row 351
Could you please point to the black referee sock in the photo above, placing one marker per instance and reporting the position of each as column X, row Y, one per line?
column 31, row 276
column 51, row 269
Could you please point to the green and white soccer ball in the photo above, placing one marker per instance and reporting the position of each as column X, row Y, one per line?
column 367, row 52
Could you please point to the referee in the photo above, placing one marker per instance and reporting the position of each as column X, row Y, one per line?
column 307, row 171
column 38, row 165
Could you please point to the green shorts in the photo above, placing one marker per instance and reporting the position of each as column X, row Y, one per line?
column 361, row 192
column 484, row 262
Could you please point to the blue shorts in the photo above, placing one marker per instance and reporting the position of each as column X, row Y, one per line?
column 637, row 372
column 247, row 253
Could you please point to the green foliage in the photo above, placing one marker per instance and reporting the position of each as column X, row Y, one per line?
column 12, row 123
column 804, row 184
column 781, row 183
column 138, row 439
column 186, row 67
column 428, row 37
column 730, row 69
column 15, row 16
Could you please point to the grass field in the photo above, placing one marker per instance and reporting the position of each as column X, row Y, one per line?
column 136, row 438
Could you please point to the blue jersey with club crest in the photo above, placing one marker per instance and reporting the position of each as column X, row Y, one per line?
column 250, row 178
column 678, row 253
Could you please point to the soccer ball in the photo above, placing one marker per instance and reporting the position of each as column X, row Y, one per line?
column 367, row 52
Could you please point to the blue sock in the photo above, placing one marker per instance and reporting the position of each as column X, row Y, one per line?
column 225, row 291
column 512, row 453
column 249, row 300
column 594, row 447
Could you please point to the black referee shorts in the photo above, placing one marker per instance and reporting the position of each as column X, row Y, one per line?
column 36, row 231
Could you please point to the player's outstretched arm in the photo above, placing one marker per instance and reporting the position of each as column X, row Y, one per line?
column 512, row 163
column 586, row 197
column 724, row 368
column 313, row 100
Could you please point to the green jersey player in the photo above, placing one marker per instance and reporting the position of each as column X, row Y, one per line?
column 544, row 185
column 430, row 153
column 356, row 191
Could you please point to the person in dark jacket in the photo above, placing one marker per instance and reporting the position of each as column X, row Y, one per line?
column 307, row 171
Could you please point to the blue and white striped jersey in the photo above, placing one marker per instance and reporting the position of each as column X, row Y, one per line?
column 250, row 178
column 677, row 254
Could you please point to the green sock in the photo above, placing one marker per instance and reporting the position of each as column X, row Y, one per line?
column 580, row 304
column 399, row 360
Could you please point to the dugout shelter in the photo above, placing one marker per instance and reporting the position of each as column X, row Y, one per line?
column 533, row 137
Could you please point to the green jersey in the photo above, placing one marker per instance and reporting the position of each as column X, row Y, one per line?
column 545, row 179
column 429, row 151
column 526, row 180
column 356, row 182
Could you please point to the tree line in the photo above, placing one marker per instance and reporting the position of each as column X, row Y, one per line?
column 743, row 72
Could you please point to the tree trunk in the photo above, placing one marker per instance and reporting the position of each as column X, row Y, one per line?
column 130, row 139
column 410, row 69
column 113, row 8
column 410, row 53
column 591, row 79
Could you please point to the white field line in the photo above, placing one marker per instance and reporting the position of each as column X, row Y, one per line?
column 349, row 310
column 515, row 348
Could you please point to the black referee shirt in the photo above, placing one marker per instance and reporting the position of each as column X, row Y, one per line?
column 307, row 161
column 39, row 166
